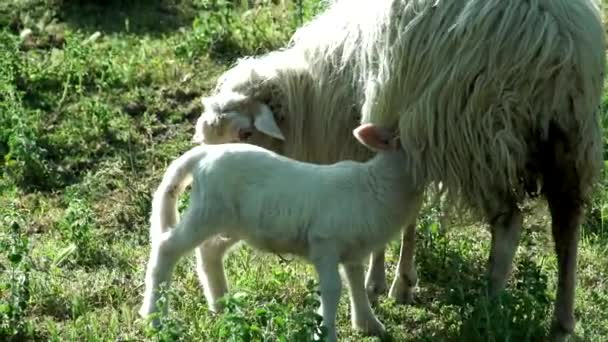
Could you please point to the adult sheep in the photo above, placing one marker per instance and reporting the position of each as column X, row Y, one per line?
column 491, row 98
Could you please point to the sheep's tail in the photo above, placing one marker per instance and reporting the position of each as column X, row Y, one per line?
column 175, row 180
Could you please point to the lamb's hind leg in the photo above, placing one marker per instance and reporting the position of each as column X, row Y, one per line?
column 362, row 315
column 166, row 252
column 210, row 269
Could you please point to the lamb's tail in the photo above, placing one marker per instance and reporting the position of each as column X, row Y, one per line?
column 175, row 180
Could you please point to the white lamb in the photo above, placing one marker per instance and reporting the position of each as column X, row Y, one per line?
column 327, row 214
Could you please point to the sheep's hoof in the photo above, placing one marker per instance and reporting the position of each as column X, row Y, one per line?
column 332, row 336
column 558, row 335
column 401, row 293
column 145, row 310
column 561, row 332
column 370, row 327
column 149, row 316
column 375, row 288
column 216, row 308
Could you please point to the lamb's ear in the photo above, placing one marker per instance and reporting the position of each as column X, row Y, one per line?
column 264, row 122
column 373, row 137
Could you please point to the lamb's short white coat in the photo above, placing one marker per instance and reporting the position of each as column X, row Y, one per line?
column 327, row 214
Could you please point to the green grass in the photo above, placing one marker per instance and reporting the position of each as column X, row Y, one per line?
column 87, row 127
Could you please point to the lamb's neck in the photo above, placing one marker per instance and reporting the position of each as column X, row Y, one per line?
column 386, row 169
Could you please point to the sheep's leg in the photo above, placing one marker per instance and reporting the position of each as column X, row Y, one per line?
column 210, row 269
column 565, row 215
column 362, row 315
column 375, row 281
column 506, row 229
column 165, row 253
column 406, row 277
column 562, row 190
column 330, row 286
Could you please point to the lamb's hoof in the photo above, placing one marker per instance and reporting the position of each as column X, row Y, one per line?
column 401, row 293
column 375, row 289
column 370, row 327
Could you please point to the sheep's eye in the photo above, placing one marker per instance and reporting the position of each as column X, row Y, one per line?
column 215, row 122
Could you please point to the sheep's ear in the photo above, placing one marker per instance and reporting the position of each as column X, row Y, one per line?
column 264, row 122
column 206, row 102
column 373, row 137
column 198, row 137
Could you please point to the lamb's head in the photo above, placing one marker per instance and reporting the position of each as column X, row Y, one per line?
column 376, row 138
column 233, row 117
column 391, row 159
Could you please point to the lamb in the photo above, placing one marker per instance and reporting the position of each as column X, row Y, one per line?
column 335, row 215
column 495, row 100
column 231, row 116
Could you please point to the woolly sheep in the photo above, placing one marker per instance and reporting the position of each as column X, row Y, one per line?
column 493, row 98
column 331, row 216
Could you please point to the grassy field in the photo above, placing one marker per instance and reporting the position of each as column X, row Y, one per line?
column 95, row 100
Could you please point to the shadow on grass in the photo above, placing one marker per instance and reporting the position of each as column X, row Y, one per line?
column 452, row 304
column 140, row 17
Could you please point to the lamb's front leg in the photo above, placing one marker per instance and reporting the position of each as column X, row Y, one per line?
column 325, row 262
column 406, row 277
column 362, row 315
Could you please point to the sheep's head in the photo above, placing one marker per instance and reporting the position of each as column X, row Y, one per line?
column 247, row 102
column 233, row 117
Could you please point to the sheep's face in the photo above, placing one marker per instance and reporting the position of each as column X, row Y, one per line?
column 222, row 128
column 232, row 117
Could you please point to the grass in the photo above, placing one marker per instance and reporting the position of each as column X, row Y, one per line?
column 88, row 123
